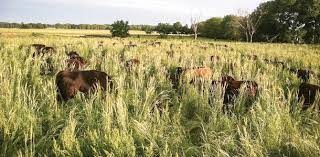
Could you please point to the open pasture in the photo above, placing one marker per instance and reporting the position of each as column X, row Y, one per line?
column 146, row 116
column 12, row 32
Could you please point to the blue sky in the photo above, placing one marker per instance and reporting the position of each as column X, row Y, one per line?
column 107, row 11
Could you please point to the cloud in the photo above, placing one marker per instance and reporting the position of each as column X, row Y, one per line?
column 136, row 11
column 219, row 7
column 150, row 5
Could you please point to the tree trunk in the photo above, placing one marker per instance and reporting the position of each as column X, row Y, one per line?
column 195, row 36
column 247, row 37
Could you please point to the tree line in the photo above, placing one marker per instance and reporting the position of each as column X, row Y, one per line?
column 162, row 28
column 293, row 21
column 66, row 26
column 58, row 26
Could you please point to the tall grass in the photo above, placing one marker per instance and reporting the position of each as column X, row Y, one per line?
column 128, row 123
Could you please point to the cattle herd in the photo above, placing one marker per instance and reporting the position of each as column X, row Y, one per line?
column 75, row 79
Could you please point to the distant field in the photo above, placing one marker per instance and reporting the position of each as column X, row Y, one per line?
column 62, row 32
column 147, row 116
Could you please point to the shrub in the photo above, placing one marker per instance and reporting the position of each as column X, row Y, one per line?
column 120, row 29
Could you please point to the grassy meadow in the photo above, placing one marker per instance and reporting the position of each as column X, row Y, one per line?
column 60, row 32
column 128, row 123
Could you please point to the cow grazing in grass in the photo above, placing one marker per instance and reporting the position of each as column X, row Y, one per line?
column 175, row 75
column 202, row 73
column 38, row 48
column 75, row 64
column 194, row 74
column 48, row 50
column 73, row 54
column 232, row 90
column 70, row 83
column 130, row 64
column 302, row 74
column 307, row 93
column 76, row 56
column 75, row 61
column 44, row 50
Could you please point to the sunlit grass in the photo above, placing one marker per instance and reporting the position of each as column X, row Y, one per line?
column 127, row 123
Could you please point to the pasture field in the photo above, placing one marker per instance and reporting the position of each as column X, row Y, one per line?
column 60, row 32
column 146, row 116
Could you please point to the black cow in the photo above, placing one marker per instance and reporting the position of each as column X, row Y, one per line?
column 307, row 92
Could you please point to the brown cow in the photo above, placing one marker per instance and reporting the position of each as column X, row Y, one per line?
column 307, row 92
column 73, row 54
column 70, row 83
column 74, row 64
column 75, row 61
column 48, row 50
column 197, row 73
column 43, row 51
column 131, row 63
column 232, row 89
column 38, row 48
column 200, row 72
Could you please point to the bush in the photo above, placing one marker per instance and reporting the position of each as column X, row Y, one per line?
column 120, row 29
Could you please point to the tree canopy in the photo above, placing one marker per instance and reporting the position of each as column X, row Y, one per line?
column 120, row 29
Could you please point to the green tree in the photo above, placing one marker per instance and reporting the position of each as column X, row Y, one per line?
column 186, row 30
column 211, row 28
column 309, row 15
column 120, row 29
column 177, row 28
column 164, row 28
column 269, row 28
column 230, row 29
column 290, row 21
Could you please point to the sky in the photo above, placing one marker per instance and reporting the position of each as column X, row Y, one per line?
column 107, row 11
